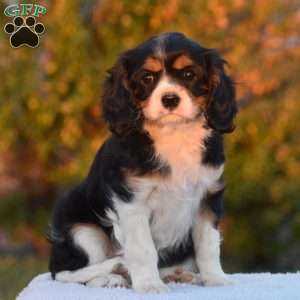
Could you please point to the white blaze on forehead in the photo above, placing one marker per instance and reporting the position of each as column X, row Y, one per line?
column 154, row 108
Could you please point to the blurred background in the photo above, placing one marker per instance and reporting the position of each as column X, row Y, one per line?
column 51, row 124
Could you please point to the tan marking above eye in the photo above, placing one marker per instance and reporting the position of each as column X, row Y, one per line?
column 182, row 61
column 153, row 64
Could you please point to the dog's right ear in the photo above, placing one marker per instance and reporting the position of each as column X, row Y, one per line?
column 118, row 107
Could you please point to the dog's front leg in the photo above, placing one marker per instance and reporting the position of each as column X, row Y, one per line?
column 207, row 249
column 139, row 251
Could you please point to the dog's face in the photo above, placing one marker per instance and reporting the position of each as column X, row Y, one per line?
column 168, row 80
column 169, row 89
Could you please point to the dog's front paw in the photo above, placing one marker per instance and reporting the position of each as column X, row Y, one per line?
column 181, row 276
column 215, row 280
column 152, row 286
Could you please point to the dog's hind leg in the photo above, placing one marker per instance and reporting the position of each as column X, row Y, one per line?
column 100, row 269
column 93, row 241
column 109, row 280
column 91, row 272
column 81, row 246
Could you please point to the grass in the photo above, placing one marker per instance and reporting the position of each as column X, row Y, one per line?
column 15, row 274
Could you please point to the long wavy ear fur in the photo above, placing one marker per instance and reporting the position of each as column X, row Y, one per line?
column 118, row 106
column 221, row 107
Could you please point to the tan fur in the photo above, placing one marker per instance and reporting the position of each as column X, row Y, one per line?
column 186, row 272
column 179, row 276
column 208, row 215
column 182, row 61
column 201, row 101
column 153, row 64
column 177, row 145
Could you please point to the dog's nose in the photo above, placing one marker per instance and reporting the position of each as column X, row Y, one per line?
column 170, row 101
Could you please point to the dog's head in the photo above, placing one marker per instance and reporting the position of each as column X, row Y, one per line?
column 168, row 80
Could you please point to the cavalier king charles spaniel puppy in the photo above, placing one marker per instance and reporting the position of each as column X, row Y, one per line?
column 148, row 211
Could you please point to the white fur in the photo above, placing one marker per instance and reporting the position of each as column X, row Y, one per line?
column 109, row 280
column 154, row 110
column 207, row 247
column 92, row 240
column 139, row 250
column 90, row 272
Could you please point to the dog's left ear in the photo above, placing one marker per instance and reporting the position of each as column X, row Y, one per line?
column 221, row 106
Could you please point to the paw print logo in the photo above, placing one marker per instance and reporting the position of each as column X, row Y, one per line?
column 24, row 32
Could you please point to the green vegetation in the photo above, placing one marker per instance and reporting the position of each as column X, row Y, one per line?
column 15, row 274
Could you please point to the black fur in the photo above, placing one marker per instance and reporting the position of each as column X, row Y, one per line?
column 119, row 109
column 221, row 108
column 66, row 256
column 131, row 149
column 171, row 256
column 215, row 203
column 214, row 150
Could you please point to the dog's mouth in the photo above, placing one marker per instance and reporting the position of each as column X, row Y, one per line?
column 171, row 119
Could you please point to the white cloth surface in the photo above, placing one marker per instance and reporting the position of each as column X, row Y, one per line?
column 262, row 286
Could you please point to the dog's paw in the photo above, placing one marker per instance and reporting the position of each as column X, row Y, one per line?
column 215, row 280
column 110, row 281
column 181, row 276
column 155, row 286
column 64, row 276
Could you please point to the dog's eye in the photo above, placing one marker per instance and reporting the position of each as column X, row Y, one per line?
column 188, row 75
column 148, row 78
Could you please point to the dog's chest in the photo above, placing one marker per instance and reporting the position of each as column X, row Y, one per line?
column 173, row 210
column 180, row 147
column 174, row 200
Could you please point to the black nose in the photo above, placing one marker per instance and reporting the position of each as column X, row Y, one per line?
column 170, row 101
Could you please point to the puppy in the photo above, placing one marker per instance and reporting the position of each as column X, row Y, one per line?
column 148, row 211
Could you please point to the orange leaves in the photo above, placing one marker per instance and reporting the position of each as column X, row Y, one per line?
column 163, row 13
column 33, row 103
column 283, row 153
column 171, row 10
column 259, row 82
column 51, row 67
column 70, row 133
column 219, row 12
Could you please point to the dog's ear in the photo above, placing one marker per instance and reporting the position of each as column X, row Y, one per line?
column 221, row 106
column 118, row 106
